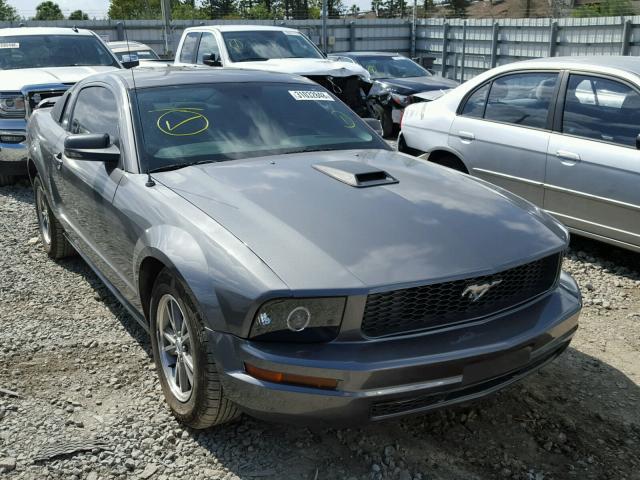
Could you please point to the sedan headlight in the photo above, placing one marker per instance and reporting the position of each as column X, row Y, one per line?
column 402, row 100
column 11, row 105
column 298, row 320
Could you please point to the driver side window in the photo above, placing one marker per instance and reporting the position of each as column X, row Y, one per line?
column 208, row 46
column 96, row 111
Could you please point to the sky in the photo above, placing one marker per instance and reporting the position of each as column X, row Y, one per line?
column 98, row 8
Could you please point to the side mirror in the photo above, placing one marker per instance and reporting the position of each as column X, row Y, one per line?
column 638, row 142
column 212, row 60
column 375, row 124
column 92, row 147
column 130, row 61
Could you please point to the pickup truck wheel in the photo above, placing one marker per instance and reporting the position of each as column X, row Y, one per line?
column 184, row 357
column 6, row 180
column 51, row 231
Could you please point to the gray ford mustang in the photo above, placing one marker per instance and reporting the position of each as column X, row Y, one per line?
column 284, row 260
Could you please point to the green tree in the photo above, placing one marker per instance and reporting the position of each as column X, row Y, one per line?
column 606, row 8
column 134, row 9
column 48, row 11
column 78, row 15
column 7, row 12
column 218, row 8
column 354, row 10
column 186, row 11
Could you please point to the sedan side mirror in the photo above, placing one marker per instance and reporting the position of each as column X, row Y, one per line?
column 130, row 61
column 93, row 147
column 212, row 60
column 638, row 142
column 375, row 124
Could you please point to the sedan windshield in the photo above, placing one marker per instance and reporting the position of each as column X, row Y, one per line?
column 249, row 46
column 36, row 51
column 184, row 125
column 392, row 67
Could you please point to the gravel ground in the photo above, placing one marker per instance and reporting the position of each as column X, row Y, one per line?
column 84, row 373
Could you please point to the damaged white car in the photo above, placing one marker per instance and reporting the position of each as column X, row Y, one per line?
column 275, row 49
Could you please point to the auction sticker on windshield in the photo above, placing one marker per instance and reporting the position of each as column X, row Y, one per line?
column 311, row 95
column 9, row 45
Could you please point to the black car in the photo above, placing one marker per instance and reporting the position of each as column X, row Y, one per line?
column 396, row 81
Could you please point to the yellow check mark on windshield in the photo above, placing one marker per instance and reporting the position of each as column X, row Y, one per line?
column 179, row 124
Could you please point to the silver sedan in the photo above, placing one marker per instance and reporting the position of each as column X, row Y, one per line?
column 561, row 132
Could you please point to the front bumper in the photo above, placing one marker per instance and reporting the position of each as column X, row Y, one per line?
column 380, row 379
column 13, row 155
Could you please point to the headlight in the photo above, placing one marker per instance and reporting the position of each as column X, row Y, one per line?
column 402, row 100
column 298, row 320
column 12, row 105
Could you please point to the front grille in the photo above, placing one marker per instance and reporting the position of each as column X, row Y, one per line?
column 441, row 304
column 35, row 97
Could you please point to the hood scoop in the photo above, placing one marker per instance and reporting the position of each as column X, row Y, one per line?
column 356, row 174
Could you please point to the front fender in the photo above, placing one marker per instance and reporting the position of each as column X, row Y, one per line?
column 226, row 281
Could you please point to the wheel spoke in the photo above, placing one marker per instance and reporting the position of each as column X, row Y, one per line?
column 183, row 383
column 170, row 349
column 170, row 338
column 188, row 363
column 168, row 310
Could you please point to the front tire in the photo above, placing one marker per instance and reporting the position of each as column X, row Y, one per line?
column 184, row 357
column 50, row 229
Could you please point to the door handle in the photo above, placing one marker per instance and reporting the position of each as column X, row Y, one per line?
column 570, row 156
column 466, row 135
column 57, row 158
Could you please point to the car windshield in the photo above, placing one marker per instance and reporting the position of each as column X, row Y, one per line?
column 247, row 46
column 223, row 121
column 142, row 54
column 36, row 51
column 392, row 67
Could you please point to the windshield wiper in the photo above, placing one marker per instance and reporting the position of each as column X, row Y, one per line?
column 254, row 59
column 309, row 149
column 178, row 166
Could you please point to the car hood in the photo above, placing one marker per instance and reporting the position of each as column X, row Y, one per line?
column 410, row 85
column 307, row 67
column 14, row 80
column 316, row 232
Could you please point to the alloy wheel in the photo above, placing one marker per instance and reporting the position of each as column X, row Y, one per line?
column 42, row 209
column 175, row 347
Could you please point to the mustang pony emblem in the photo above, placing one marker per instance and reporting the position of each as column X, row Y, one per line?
column 476, row 292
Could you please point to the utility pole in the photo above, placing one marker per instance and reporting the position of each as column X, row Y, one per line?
column 165, row 6
column 413, row 29
column 325, row 13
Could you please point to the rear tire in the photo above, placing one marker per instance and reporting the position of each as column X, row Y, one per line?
column 184, row 357
column 7, row 180
column 50, row 229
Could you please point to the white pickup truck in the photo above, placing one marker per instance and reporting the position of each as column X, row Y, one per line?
column 275, row 49
column 36, row 64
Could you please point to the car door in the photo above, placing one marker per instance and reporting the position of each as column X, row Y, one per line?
column 502, row 132
column 86, row 188
column 593, row 170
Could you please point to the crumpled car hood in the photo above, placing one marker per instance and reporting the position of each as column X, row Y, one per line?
column 14, row 80
column 410, row 85
column 316, row 232
column 306, row 67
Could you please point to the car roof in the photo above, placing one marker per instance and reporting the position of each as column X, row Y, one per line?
column 146, row 77
column 124, row 44
column 365, row 54
column 242, row 28
column 619, row 62
column 10, row 32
